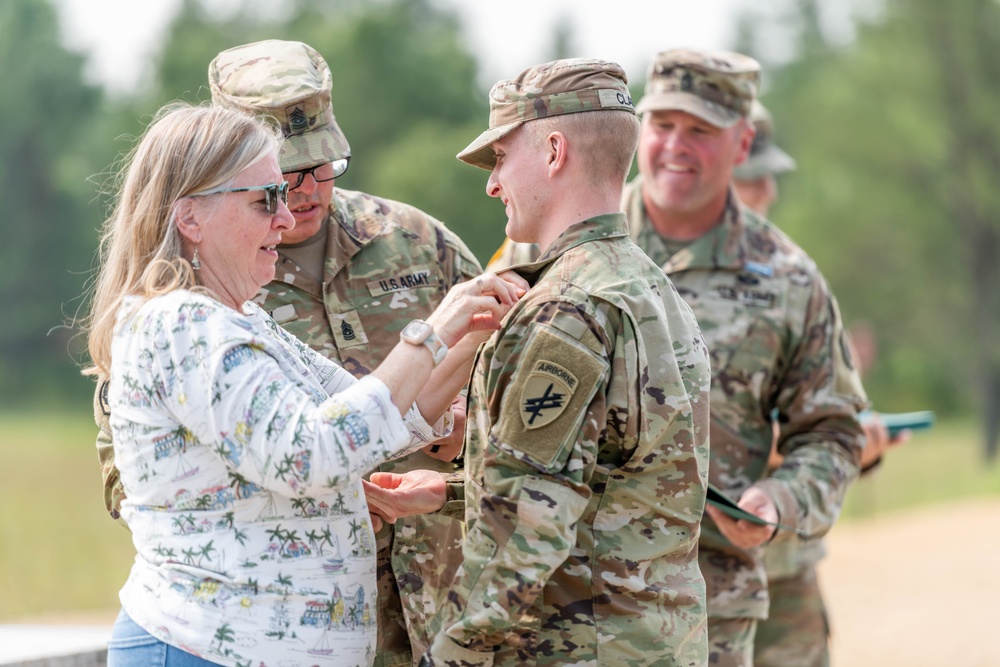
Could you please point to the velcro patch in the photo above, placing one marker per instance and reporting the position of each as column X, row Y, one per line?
column 546, row 394
column 542, row 410
column 285, row 313
column 614, row 99
column 416, row 278
column 347, row 330
column 752, row 298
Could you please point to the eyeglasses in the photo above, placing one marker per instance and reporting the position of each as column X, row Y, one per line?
column 321, row 172
column 271, row 194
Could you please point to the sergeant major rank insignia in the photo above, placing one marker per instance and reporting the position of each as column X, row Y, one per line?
column 545, row 394
column 297, row 120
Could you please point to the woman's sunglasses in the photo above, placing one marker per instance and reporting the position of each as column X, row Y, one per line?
column 272, row 193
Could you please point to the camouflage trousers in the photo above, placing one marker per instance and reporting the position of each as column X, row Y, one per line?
column 730, row 641
column 417, row 559
column 796, row 632
column 393, row 645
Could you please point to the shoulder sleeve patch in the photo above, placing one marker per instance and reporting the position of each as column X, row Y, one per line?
column 543, row 409
column 544, row 395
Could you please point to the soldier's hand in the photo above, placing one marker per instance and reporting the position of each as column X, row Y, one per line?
column 743, row 533
column 449, row 447
column 877, row 440
column 392, row 496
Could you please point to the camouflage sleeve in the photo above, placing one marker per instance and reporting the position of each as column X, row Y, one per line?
column 457, row 261
column 454, row 504
column 821, row 437
column 114, row 492
column 535, row 465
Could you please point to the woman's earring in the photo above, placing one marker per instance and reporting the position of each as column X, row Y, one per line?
column 195, row 262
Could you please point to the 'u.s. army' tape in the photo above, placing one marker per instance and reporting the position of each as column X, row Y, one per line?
column 729, row 506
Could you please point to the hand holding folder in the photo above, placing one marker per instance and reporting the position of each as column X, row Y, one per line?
column 728, row 506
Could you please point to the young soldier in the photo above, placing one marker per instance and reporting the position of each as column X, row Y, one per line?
column 771, row 323
column 586, row 446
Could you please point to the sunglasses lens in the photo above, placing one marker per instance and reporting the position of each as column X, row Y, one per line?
column 274, row 192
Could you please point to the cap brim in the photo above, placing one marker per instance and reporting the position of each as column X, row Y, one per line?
column 689, row 103
column 301, row 151
column 480, row 152
column 771, row 160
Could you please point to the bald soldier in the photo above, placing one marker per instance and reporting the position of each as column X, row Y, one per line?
column 771, row 323
column 586, row 447
column 796, row 632
column 354, row 271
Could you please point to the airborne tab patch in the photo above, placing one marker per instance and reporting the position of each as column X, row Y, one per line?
column 545, row 404
column 546, row 393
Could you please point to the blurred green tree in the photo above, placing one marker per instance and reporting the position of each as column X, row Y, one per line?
column 897, row 144
column 404, row 92
column 46, row 113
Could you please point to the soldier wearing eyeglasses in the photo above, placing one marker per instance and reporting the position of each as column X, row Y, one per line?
column 351, row 274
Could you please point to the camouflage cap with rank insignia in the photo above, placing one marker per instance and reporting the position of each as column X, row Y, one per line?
column 765, row 156
column 290, row 82
column 560, row 87
column 716, row 86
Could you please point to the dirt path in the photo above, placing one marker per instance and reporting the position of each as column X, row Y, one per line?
column 919, row 588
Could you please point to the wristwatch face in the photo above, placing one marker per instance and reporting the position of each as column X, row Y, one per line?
column 419, row 332
column 415, row 332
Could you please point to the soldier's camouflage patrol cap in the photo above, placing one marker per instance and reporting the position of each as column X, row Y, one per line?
column 290, row 82
column 560, row 87
column 716, row 86
column 765, row 156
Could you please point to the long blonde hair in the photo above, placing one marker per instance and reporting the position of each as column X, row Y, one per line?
column 185, row 150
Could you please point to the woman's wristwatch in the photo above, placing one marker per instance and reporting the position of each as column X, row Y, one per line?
column 418, row 332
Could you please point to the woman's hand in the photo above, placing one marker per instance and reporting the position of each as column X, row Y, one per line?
column 476, row 305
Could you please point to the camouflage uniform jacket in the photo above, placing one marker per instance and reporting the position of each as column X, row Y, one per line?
column 586, row 468
column 776, row 339
column 386, row 263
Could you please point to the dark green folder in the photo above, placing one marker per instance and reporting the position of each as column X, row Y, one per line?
column 729, row 506
column 896, row 422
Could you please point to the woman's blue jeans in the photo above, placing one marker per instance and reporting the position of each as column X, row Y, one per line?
column 131, row 646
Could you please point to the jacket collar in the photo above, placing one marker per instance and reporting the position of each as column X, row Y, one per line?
column 722, row 247
column 611, row 225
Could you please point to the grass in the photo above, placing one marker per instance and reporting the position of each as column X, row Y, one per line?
column 943, row 464
column 62, row 557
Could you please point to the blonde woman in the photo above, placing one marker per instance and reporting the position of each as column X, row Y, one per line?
column 240, row 448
